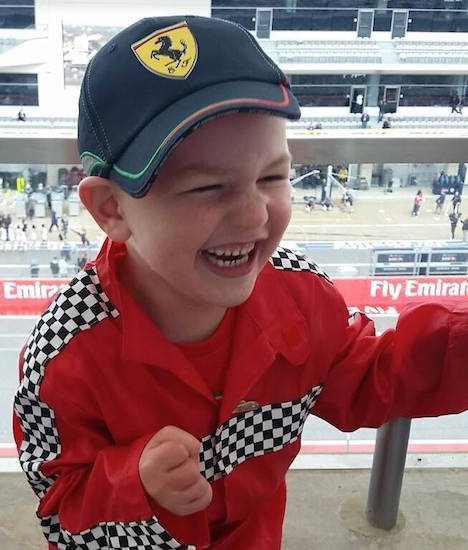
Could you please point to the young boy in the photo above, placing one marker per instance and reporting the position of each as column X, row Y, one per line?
column 164, row 391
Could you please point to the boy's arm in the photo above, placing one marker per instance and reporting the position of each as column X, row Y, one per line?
column 90, row 490
column 419, row 369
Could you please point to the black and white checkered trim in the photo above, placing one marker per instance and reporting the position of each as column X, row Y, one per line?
column 287, row 260
column 255, row 433
column 77, row 307
column 144, row 535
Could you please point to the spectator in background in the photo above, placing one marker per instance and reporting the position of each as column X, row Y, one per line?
column 347, row 200
column 30, row 211
column 33, row 234
column 82, row 235
column 63, row 228
column 66, row 251
column 54, row 267
column 417, row 202
column 455, row 103
column 382, row 105
column 440, row 201
column 342, row 174
column 81, row 260
column 48, row 194
column 53, row 221
column 63, row 267
column 19, row 234
column 456, row 200
column 6, row 224
column 465, row 229
column 310, row 204
column 365, row 119
column 454, row 219
column 443, row 180
column 44, row 233
column 359, row 103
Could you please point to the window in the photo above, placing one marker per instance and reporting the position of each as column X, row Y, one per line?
column 415, row 90
column 18, row 89
column 16, row 14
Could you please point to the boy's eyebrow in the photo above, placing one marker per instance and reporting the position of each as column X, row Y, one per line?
column 206, row 169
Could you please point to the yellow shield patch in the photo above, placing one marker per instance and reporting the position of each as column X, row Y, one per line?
column 171, row 52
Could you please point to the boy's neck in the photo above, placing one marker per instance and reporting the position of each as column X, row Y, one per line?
column 179, row 320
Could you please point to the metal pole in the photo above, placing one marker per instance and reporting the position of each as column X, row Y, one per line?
column 388, row 468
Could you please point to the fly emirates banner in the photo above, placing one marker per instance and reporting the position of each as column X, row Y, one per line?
column 371, row 295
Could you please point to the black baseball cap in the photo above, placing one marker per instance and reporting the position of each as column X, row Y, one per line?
column 157, row 80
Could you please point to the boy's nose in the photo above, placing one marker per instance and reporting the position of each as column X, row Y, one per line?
column 250, row 211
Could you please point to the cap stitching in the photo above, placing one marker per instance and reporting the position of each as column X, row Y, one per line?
column 98, row 162
column 109, row 149
column 101, row 151
column 259, row 49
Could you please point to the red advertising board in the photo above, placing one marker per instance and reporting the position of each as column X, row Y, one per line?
column 27, row 296
column 390, row 294
column 369, row 294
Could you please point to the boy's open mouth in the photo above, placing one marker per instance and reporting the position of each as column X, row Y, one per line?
column 229, row 257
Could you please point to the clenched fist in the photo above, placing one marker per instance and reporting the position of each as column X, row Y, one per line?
column 170, row 472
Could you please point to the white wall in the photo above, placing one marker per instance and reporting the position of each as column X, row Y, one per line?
column 54, row 99
column 115, row 12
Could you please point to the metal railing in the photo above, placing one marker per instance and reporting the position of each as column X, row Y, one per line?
column 387, row 473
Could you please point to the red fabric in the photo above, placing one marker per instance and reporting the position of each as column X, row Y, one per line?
column 113, row 386
column 211, row 356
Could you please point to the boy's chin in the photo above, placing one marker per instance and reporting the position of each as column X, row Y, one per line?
column 234, row 299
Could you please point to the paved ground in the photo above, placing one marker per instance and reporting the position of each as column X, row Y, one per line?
column 325, row 511
column 375, row 215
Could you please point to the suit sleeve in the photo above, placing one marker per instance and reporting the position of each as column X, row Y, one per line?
column 419, row 369
column 89, row 489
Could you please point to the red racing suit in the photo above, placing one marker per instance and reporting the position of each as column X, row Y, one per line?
column 99, row 380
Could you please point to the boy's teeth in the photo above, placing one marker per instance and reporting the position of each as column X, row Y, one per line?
column 227, row 263
column 232, row 251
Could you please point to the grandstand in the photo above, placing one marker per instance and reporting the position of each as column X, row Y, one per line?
column 342, row 58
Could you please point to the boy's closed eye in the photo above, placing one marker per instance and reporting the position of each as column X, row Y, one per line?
column 205, row 188
column 272, row 179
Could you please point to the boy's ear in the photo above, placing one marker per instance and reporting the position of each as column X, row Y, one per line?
column 101, row 198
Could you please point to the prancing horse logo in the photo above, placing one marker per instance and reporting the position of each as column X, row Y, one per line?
column 176, row 56
column 171, row 52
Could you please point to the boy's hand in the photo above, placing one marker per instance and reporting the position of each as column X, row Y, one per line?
column 170, row 472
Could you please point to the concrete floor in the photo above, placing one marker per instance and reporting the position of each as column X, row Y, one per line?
column 325, row 511
column 375, row 215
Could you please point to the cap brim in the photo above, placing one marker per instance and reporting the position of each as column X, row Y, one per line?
column 137, row 166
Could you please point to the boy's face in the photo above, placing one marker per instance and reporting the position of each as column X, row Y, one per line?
column 214, row 214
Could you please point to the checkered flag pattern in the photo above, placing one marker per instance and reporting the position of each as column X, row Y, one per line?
column 77, row 307
column 287, row 260
column 145, row 535
column 255, row 433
